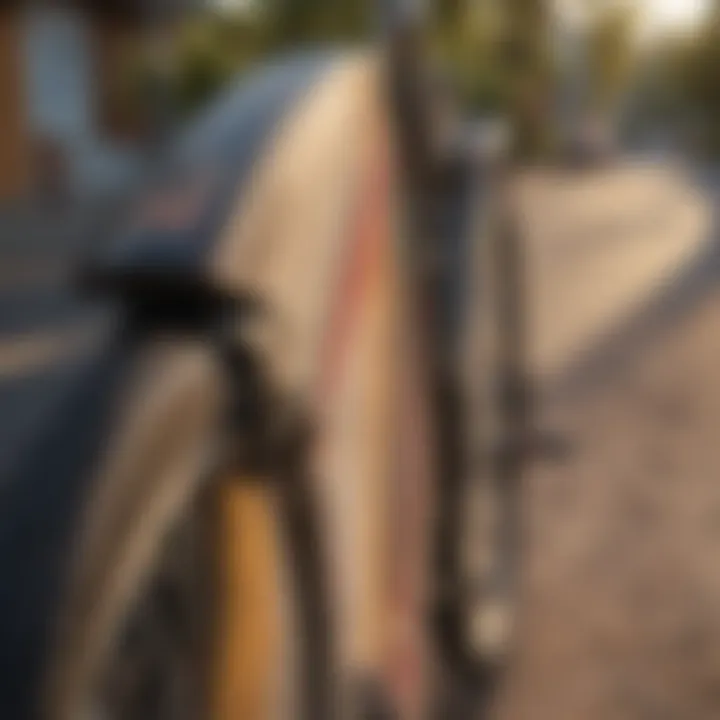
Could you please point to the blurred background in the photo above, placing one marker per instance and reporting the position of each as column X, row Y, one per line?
column 614, row 110
column 91, row 91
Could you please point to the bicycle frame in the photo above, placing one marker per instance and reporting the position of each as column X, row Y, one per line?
column 208, row 255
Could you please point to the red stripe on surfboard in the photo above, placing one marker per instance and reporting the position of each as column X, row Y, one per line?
column 369, row 231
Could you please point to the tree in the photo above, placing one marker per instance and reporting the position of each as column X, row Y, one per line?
column 303, row 21
column 527, row 60
column 691, row 73
column 610, row 50
column 467, row 40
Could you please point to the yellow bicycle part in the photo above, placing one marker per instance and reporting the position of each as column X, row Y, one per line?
column 249, row 603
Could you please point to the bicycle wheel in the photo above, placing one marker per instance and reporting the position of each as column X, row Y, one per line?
column 479, row 526
column 183, row 602
column 494, row 424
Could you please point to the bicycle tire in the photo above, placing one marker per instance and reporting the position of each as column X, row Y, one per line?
column 158, row 476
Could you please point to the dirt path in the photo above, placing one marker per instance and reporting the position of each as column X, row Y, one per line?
column 621, row 618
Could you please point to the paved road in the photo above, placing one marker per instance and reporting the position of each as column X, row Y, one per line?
column 621, row 614
column 604, row 249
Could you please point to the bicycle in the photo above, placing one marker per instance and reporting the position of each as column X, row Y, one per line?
column 220, row 569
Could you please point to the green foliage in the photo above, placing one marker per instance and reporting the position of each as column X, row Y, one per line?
column 213, row 48
column 205, row 54
column 610, row 44
column 529, row 63
column 204, row 64
column 700, row 75
column 293, row 22
column 466, row 40
column 209, row 53
column 499, row 51
column 470, row 38
column 687, row 82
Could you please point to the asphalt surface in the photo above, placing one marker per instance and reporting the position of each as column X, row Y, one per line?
column 619, row 617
